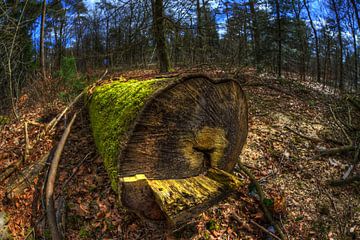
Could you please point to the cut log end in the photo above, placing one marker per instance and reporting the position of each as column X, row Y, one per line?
column 170, row 134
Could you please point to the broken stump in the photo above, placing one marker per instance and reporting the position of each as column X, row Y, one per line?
column 169, row 145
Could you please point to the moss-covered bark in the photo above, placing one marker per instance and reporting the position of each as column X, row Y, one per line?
column 113, row 109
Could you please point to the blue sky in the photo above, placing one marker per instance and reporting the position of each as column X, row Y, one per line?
column 90, row 3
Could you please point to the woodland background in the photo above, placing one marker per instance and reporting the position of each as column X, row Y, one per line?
column 68, row 39
column 297, row 61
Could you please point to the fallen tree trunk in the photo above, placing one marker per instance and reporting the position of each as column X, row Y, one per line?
column 169, row 145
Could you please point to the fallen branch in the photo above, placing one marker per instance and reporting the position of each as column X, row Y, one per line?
column 264, row 229
column 17, row 184
column 50, row 208
column 238, row 219
column 262, row 198
column 314, row 139
column 347, row 173
column 51, row 125
column 354, row 163
column 268, row 86
column 7, row 172
column 354, row 103
column 339, row 183
column 340, row 126
column 333, row 151
column 12, row 168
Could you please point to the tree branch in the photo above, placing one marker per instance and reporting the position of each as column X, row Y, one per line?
column 50, row 206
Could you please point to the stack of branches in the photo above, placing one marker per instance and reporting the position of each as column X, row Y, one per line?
column 346, row 118
column 348, row 121
column 46, row 167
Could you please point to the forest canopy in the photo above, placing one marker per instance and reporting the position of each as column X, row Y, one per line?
column 316, row 39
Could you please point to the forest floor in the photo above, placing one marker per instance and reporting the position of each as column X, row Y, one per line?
column 283, row 162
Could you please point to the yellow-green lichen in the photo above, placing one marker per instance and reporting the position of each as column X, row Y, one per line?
column 177, row 195
column 113, row 109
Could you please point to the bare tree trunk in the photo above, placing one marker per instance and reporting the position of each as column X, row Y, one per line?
column 353, row 33
column 278, row 18
column 300, row 33
column 205, row 42
column 199, row 31
column 159, row 35
column 341, row 65
column 356, row 12
column 318, row 67
column 61, row 37
column 9, row 61
column 255, row 29
column 42, row 45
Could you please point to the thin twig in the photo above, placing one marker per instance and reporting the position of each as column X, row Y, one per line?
column 27, row 142
column 262, row 198
column 347, row 173
column 264, row 229
column 286, row 232
column 57, row 119
column 75, row 170
column 50, row 208
column 238, row 219
column 103, row 75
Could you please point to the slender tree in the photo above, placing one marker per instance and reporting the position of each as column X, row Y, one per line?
column 159, row 35
column 255, row 29
column 335, row 9
column 278, row 19
column 317, row 50
column 42, row 40
column 354, row 41
column 356, row 11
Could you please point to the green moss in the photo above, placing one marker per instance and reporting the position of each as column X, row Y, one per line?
column 113, row 109
column 4, row 120
column 212, row 225
column 84, row 233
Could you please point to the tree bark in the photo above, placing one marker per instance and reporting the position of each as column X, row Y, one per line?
column 42, row 44
column 159, row 35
